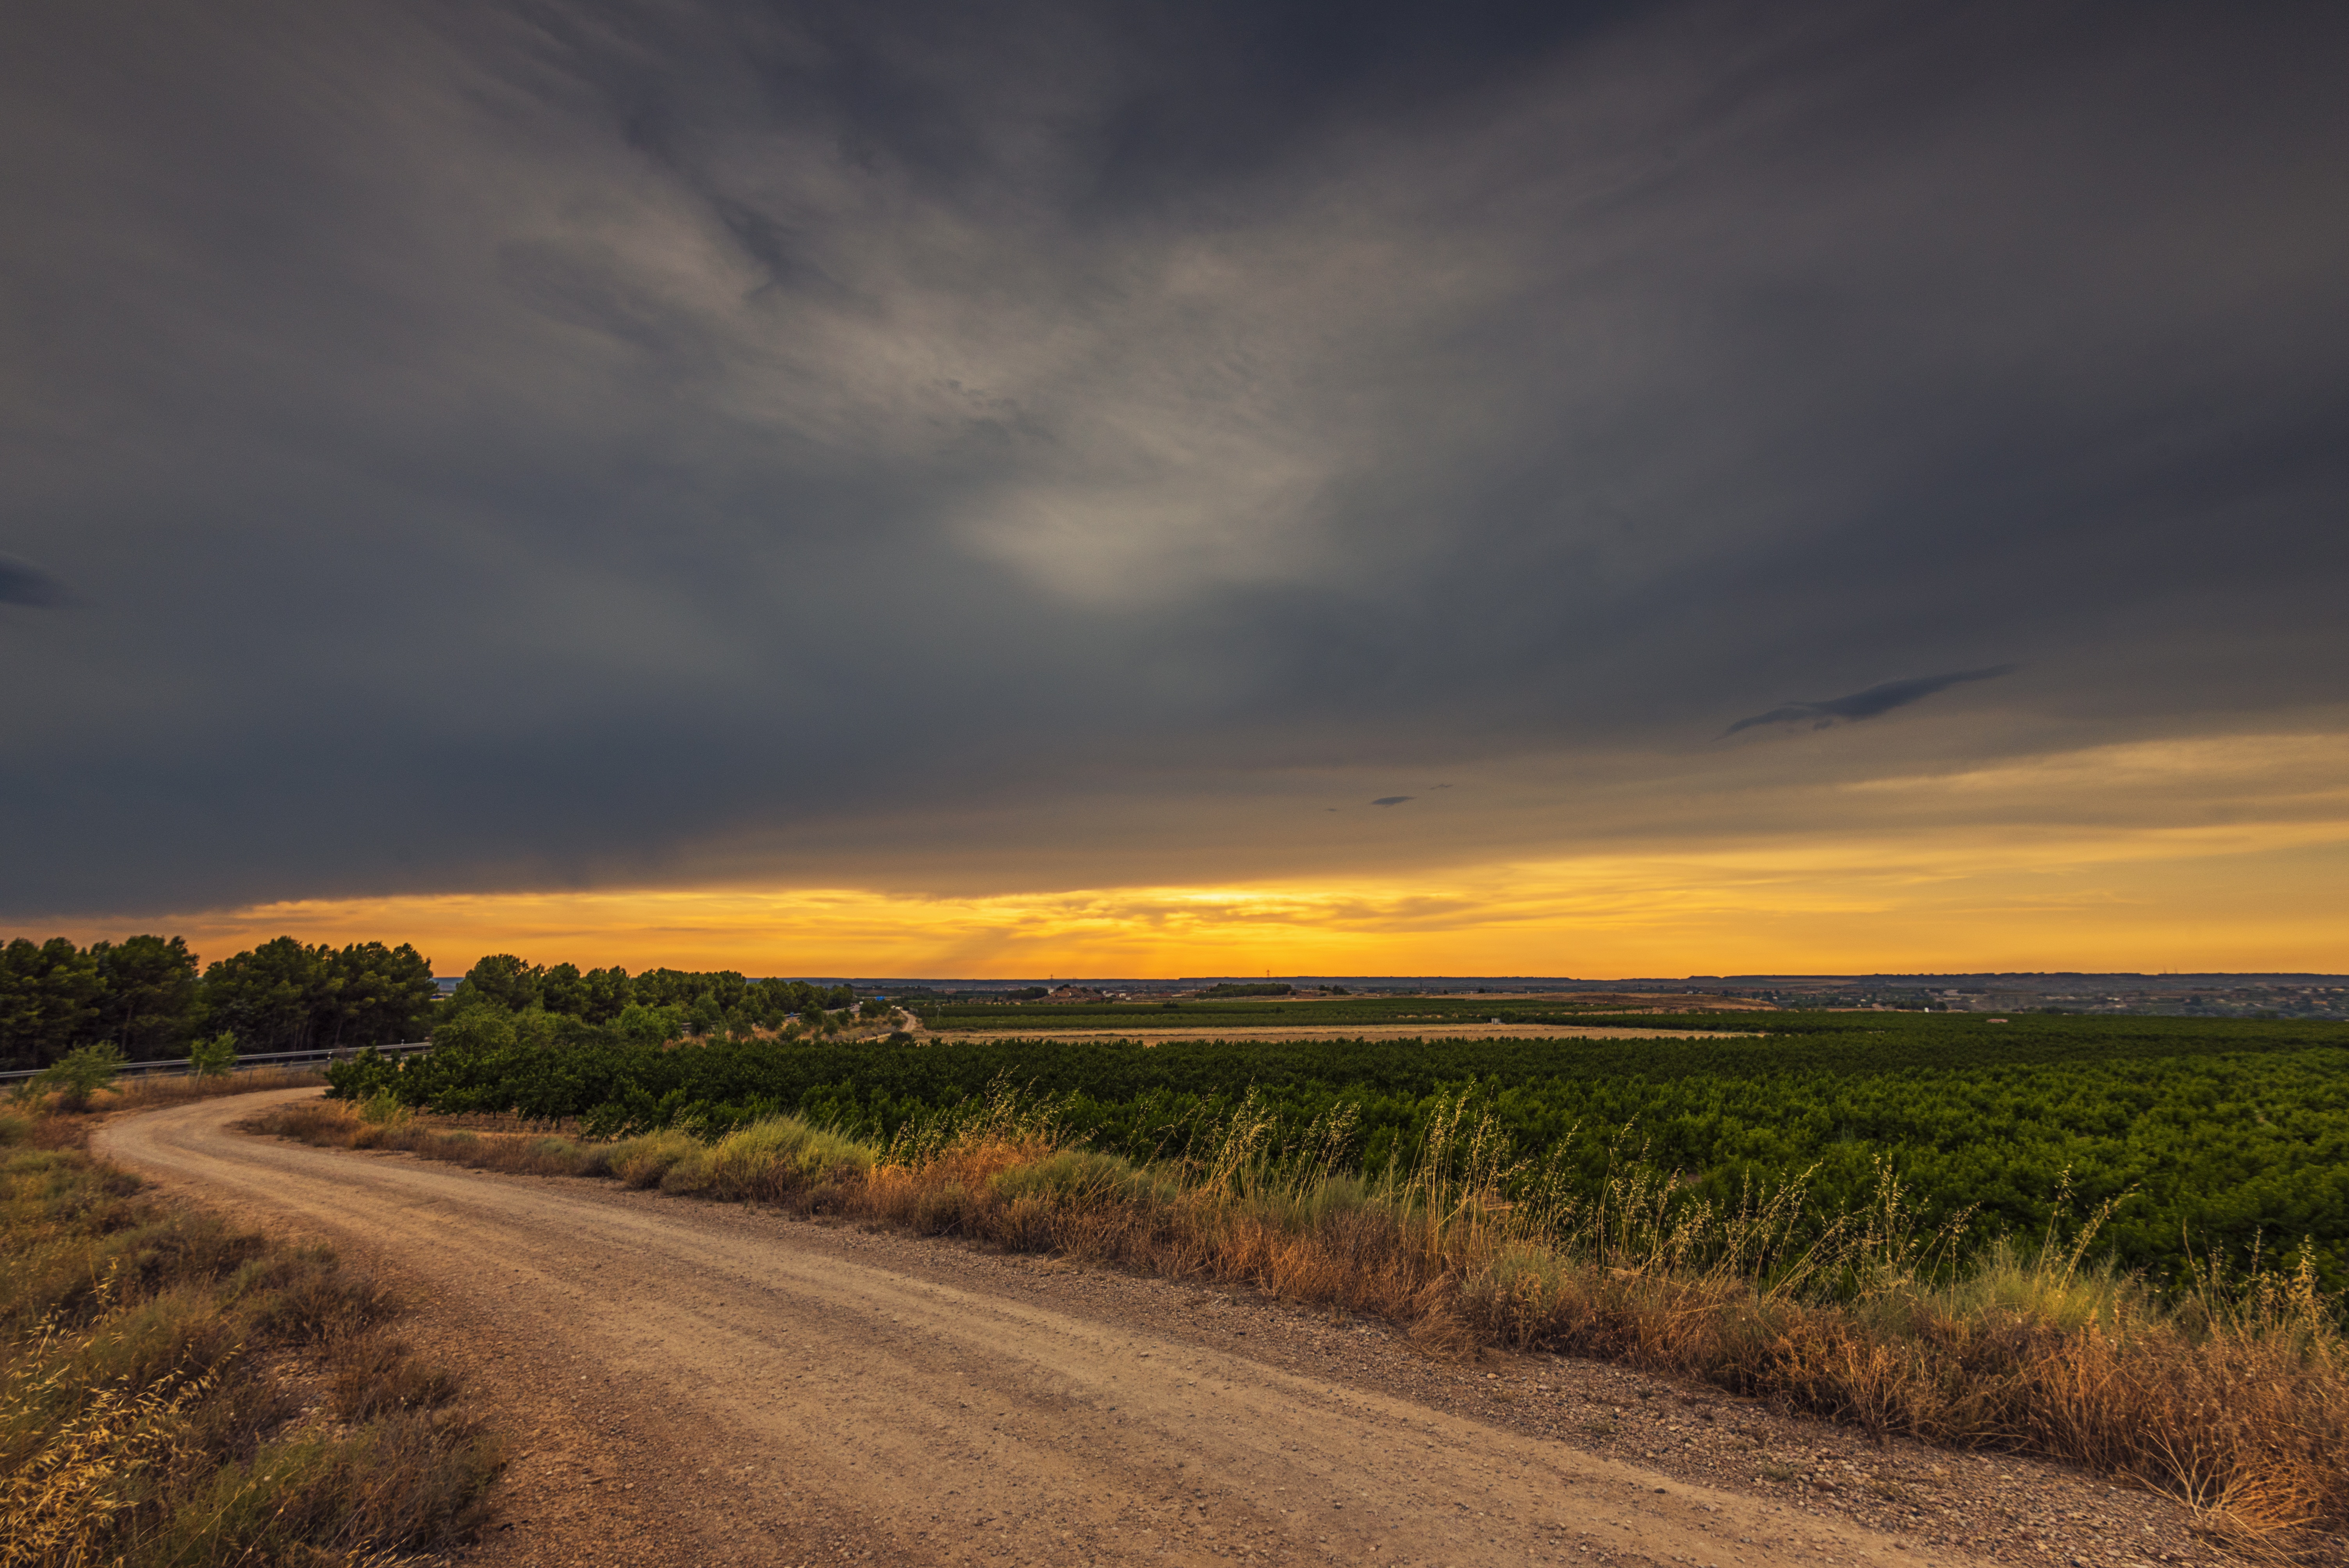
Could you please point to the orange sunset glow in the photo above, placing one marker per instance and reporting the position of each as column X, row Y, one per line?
column 2257, row 898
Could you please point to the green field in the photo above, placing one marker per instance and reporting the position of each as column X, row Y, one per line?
column 2214, row 1138
column 1257, row 1013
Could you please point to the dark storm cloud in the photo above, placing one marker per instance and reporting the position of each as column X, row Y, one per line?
column 21, row 584
column 545, row 444
column 1866, row 704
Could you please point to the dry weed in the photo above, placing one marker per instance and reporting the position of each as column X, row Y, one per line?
column 135, row 1424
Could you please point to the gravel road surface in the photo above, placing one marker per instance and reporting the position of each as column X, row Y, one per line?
column 694, row 1383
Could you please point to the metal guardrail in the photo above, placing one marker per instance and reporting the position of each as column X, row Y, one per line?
column 178, row 1066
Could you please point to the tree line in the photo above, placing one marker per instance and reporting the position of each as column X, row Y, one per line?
column 661, row 1004
column 150, row 997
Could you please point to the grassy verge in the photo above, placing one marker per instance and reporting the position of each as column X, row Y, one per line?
column 174, row 1391
column 153, row 1093
column 2233, row 1397
column 48, row 1116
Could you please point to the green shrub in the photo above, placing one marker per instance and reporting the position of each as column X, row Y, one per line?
column 362, row 1077
column 82, row 1072
column 215, row 1057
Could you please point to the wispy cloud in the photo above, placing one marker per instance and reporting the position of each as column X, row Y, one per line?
column 1392, row 799
column 1859, row 705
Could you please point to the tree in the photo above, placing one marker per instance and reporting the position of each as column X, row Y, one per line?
column 380, row 995
column 502, row 980
column 149, row 994
column 667, row 988
column 476, row 1029
column 642, row 1026
column 50, row 994
column 596, row 995
column 272, row 996
column 82, row 1072
column 213, row 1058
column 565, row 990
column 607, row 995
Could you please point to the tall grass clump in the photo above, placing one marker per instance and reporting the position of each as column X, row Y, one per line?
column 140, row 1422
column 770, row 1162
column 647, row 1161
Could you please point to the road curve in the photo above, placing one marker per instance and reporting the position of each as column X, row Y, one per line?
column 766, row 1391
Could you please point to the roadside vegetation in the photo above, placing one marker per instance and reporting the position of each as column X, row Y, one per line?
column 2215, row 1139
column 88, row 1079
column 2230, row 1394
column 177, row 1391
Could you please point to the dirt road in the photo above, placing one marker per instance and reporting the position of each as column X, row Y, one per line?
column 697, row 1383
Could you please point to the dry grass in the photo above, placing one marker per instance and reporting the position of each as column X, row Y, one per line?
column 43, row 1112
column 157, row 1371
column 2234, row 1399
column 149, row 1093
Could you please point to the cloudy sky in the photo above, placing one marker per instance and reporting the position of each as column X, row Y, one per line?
column 1006, row 488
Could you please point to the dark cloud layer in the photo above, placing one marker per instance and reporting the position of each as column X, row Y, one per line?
column 544, row 444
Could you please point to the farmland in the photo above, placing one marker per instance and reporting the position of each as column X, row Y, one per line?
column 1268, row 1012
column 2211, row 1139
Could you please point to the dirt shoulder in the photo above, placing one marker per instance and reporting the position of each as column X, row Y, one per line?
column 692, row 1383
